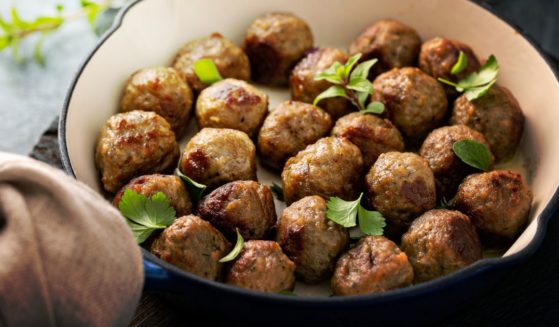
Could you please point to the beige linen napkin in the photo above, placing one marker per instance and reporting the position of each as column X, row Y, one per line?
column 67, row 257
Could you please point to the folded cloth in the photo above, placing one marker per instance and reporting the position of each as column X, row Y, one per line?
column 67, row 257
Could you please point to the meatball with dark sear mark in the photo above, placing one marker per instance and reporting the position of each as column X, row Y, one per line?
column 374, row 265
column 394, row 44
column 498, row 202
column 216, row 156
column 172, row 186
column 161, row 90
column 274, row 43
column 289, row 129
column 373, row 135
column 448, row 169
column 439, row 55
column 193, row 245
column 310, row 239
column 497, row 115
column 305, row 88
column 330, row 167
column 439, row 242
column 246, row 205
column 230, row 60
column 132, row 144
column 415, row 102
column 262, row 266
column 401, row 186
column 234, row 104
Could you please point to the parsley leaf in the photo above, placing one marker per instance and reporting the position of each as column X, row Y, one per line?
column 350, row 213
column 477, row 84
column 207, row 71
column 460, row 64
column 473, row 153
column 195, row 189
column 143, row 215
column 277, row 190
column 236, row 250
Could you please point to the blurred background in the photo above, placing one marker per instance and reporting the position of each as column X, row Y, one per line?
column 31, row 95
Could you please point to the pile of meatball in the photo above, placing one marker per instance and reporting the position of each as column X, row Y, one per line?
column 402, row 160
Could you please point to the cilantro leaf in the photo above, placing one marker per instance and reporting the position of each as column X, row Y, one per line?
column 371, row 222
column 460, row 64
column 332, row 92
column 207, row 71
column 236, row 250
column 351, row 213
column 195, row 189
column 277, row 190
column 141, row 233
column 473, row 153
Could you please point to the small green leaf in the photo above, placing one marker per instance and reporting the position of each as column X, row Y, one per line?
column 371, row 222
column 332, row 78
column 207, row 71
column 478, row 92
column 16, row 20
column 236, row 250
column 361, row 85
column 195, row 189
column 444, row 203
column 447, row 82
column 350, row 63
column 141, row 233
column 4, row 42
column 460, row 64
column 473, row 153
column 343, row 212
column 277, row 190
column 331, row 92
column 361, row 99
column 332, row 70
column 287, row 293
column 362, row 70
column 5, row 26
column 374, row 107
column 159, row 210
column 59, row 7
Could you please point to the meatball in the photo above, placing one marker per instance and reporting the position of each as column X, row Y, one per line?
column 193, row 245
column 274, row 43
column 234, row 104
column 172, row 186
column 289, row 129
column 217, row 156
column 262, row 266
column 415, row 102
column 448, row 169
column 374, row 265
column 497, row 115
column 161, row 90
column 311, row 240
column 498, row 203
column 305, row 88
column 439, row 242
column 373, row 135
column 401, row 186
column 330, row 167
column 132, row 144
column 246, row 205
column 230, row 60
column 438, row 55
column 394, row 44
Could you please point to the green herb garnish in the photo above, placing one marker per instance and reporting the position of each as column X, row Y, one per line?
column 460, row 64
column 350, row 213
column 477, row 84
column 143, row 215
column 236, row 250
column 287, row 293
column 473, row 153
column 195, row 189
column 444, row 204
column 277, row 190
column 207, row 71
column 350, row 83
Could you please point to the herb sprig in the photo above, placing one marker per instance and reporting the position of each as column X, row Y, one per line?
column 460, row 64
column 236, row 250
column 195, row 189
column 350, row 83
column 277, row 190
column 473, row 153
column 207, row 72
column 478, row 83
column 351, row 213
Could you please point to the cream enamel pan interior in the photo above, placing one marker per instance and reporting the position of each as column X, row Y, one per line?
column 152, row 31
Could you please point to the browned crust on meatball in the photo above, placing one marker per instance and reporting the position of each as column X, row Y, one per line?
column 375, row 265
column 439, row 242
column 194, row 245
column 246, row 205
column 262, row 266
column 311, row 240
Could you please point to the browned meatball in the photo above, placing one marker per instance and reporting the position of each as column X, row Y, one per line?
column 448, row 169
column 274, row 43
column 394, row 44
column 262, row 266
column 193, row 245
column 497, row 115
column 439, row 242
column 132, row 144
column 289, row 129
column 401, row 186
column 160, row 90
column 304, row 87
column 330, row 167
column 415, row 102
column 172, row 186
column 498, row 203
column 373, row 135
column 246, row 205
column 232, row 103
column 230, row 60
column 375, row 265
column 217, row 156
column 310, row 239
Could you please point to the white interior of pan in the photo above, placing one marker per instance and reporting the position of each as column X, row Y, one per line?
column 153, row 30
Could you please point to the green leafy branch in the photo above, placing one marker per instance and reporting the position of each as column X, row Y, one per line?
column 478, row 83
column 351, row 213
